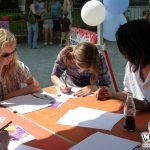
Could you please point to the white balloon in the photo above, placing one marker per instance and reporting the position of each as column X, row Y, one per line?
column 111, row 25
column 93, row 13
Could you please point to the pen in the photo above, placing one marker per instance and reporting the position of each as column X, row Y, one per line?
column 5, row 126
column 64, row 80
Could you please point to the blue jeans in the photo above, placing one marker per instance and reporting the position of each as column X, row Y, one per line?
column 33, row 30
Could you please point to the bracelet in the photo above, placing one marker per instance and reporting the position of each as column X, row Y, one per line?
column 146, row 104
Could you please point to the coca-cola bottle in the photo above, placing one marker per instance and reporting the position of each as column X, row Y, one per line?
column 129, row 113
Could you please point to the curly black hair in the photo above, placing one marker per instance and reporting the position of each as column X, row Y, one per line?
column 133, row 40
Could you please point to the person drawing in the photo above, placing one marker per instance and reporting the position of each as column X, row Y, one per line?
column 13, row 73
column 133, row 44
column 84, row 66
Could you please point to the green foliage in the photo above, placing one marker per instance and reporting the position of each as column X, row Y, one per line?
column 18, row 27
column 9, row 4
column 139, row 2
column 13, row 16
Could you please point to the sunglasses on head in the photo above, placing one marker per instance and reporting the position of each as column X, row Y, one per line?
column 4, row 55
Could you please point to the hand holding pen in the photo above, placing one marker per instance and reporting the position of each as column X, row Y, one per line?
column 5, row 126
column 65, row 88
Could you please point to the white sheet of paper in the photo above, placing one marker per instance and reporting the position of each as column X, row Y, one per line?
column 59, row 97
column 101, row 141
column 63, row 97
column 26, row 103
column 16, row 146
column 91, row 118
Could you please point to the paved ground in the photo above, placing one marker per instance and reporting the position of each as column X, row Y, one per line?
column 41, row 61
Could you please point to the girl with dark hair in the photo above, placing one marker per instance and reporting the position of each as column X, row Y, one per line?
column 133, row 43
column 84, row 66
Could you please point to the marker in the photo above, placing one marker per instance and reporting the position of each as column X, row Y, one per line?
column 5, row 126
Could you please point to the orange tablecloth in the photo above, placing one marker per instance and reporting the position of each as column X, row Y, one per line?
column 48, row 117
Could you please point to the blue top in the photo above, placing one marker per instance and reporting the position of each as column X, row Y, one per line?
column 55, row 8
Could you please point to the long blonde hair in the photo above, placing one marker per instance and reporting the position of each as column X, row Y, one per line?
column 7, row 38
column 85, row 55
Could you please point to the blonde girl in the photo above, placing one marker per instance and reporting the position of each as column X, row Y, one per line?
column 12, row 71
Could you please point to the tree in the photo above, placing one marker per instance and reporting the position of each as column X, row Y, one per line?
column 9, row 4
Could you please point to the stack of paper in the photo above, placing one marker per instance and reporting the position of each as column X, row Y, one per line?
column 91, row 118
column 101, row 141
column 25, row 104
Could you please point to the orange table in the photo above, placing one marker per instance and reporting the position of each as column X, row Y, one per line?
column 45, row 140
column 48, row 117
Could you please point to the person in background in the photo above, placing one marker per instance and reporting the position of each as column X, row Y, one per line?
column 65, row 28
column 4, row 140
column 56, row 9
column 33, row 29
column 133, row 44
column 40, row 6
column 68, row 6
column 13, row 73
column 84, row 66
column 48, row 27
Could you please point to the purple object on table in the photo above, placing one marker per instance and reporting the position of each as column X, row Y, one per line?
column 18, row 134
column 56, row 104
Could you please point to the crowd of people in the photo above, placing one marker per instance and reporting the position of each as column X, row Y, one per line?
column 51, row 17
column 83, row 66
